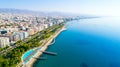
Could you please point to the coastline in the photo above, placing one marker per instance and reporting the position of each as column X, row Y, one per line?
column 43, row 48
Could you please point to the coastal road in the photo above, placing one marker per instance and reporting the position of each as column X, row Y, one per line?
column 24, row 40
column 14, row 46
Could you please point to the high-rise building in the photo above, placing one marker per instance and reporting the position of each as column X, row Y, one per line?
column 4, row 41
column 21, row 35
column 16, row 37
column 25, row 34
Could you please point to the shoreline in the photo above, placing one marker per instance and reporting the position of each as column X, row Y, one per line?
column 31, row 62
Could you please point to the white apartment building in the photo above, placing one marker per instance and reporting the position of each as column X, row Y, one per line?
column 4, row 41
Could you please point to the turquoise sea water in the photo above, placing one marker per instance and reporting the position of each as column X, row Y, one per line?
column 86, row 43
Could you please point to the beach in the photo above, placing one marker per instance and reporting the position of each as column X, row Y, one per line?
column 43, row 48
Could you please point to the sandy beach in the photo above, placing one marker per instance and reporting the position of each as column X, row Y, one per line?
column 43, row 48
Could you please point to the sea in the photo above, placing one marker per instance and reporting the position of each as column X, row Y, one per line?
column 88, row 42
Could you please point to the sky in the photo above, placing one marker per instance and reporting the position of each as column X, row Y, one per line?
column 92, row 7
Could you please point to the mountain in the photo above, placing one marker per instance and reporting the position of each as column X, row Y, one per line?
column 19, row 11
column 29, row 12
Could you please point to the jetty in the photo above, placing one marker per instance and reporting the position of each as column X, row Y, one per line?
column 49, row 53
column 42, row 50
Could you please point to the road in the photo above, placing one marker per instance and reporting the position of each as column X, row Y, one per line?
column 14, row 46
column 24, row 40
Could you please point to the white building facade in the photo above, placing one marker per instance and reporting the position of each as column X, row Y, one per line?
column 4, row 41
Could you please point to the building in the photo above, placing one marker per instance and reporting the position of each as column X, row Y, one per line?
column 25, row 34
column 50, row 24
column 15, row 36
column 45, row 26
column 4, row 41
column 21, row 35
column 18, row 36
column 31, row 31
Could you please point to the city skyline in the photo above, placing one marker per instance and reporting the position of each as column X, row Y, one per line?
column 77, row 33
column 92, row 7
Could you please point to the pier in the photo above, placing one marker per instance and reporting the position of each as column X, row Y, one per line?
column 39, row 52
column 49, row 53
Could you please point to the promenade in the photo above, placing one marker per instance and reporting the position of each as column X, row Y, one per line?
column 43, row 47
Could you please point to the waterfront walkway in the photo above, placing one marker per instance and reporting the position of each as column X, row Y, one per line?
column 43, row 47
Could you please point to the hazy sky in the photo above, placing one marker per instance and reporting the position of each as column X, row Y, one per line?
column 95, row 7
